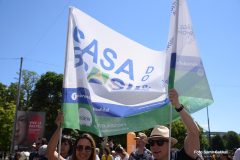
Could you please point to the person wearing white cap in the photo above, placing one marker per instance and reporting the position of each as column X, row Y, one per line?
column 159, row 139
column 42, row 152
column 141, row 152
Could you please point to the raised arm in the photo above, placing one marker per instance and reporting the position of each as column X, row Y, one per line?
column 191, row 143
column 52, row 145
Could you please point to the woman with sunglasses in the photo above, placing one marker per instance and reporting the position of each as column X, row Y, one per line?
column 84, row 148
column 159, row 139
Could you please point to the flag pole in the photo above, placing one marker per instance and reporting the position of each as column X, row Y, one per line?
column 209, row 132
column 170, row 86
column 65, row 66
column 59, row 143
column 172, row 70
column 12, row 150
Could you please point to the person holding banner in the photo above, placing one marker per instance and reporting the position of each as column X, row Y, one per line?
column 159, row 139
column 84, row 147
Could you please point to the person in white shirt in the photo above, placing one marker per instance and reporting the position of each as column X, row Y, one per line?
column 237, row 154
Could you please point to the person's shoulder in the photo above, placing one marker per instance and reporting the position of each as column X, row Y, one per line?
column 126, row 157
column 133, row 153
column 238, row 150
column 174, row 153
column 147, row 154
column 179, row 155
column 97, row 157
column 237, row 154
column 32, row 155
column 110, row 157
column 147, row 151
column 42, row 158
column 69, row 158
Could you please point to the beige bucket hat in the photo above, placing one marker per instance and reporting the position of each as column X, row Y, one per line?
column 162, row 132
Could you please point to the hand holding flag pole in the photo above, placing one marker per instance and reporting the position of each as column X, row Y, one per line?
column 56, row 137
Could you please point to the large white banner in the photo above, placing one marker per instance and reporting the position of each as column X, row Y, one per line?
column 112, row 83
column 117, row 75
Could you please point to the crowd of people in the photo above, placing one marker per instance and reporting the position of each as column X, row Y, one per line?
column 159, row 141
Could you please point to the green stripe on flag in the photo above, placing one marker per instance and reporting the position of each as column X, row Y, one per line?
column 106, row 126
column 71, row 115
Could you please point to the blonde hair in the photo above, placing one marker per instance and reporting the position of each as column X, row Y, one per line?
column 120, row 150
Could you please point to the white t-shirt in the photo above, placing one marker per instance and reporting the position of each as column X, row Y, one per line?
column 237, row 154
column 97, row 157
column 126, row 157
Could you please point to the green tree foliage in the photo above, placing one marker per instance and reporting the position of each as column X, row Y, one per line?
column 47, row 97
column 29, row 79
column 204, row 143
column 12, row 93
column 6, row 124
column 8, row 99
column 217, row 143
column 3, row 93
column 231, row 140
column 179, row 132
column 7, row 110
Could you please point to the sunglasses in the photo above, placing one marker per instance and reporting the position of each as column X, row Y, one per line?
column 159, row 142
column 80, row 148
column 65, row 143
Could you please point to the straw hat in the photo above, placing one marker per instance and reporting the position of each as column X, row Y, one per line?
column 162, row 132
column 142, row 136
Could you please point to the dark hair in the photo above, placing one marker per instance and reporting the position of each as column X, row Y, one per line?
column 91, row 140
column 43, row 140
column 68, row 139
column 17, row 156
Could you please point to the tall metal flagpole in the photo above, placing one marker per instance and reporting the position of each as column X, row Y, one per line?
column 12, row 151
column 209, row 132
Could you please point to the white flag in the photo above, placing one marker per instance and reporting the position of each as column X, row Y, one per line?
column 190, row 77
column 119, row 76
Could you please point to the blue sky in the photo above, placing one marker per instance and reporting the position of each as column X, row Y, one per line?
column 36, row 31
